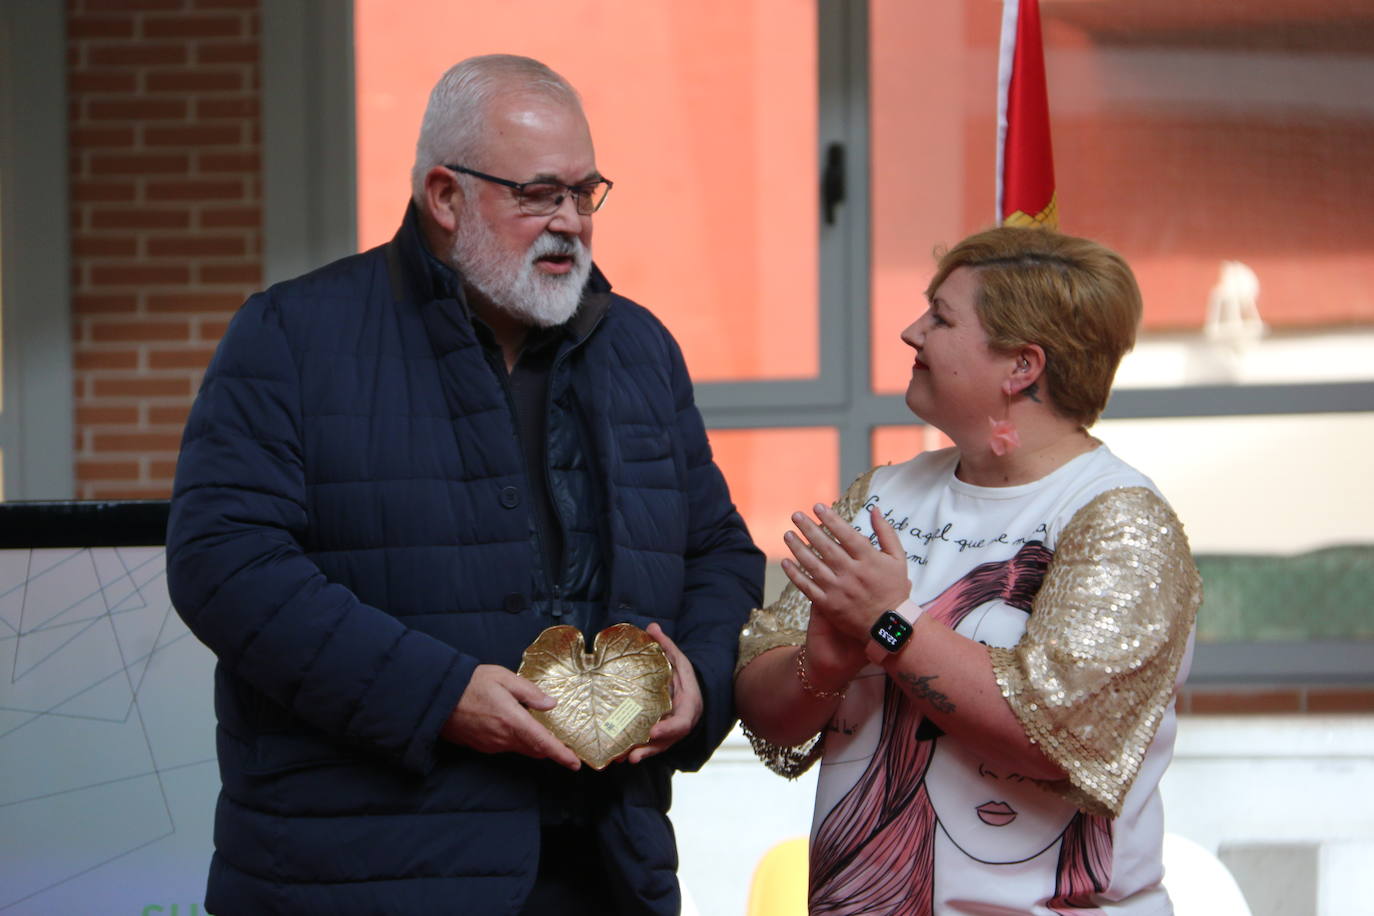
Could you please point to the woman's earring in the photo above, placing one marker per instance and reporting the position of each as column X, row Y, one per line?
column 1004, row 437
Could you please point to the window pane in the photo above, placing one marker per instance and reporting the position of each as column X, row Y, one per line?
column 1264, row 485
column 919, row 56
column 1279, row 563
column 895, row 444
column 1277, row 511
column 775, row 472
column 1222, row 148
column 704, row 115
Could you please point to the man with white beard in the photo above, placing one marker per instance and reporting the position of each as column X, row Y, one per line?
column 399, row 470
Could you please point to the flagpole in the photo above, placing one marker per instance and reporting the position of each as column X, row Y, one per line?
column 1006, row 57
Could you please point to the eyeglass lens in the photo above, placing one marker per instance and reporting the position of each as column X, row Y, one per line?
column 543, row 199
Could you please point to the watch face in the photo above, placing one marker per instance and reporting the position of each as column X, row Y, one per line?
column 891, row 631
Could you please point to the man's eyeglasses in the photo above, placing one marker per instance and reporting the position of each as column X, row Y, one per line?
column 545, row 196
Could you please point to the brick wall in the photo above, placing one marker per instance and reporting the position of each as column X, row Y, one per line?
column 166, row 220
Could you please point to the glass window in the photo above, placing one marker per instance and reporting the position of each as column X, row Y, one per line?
column 921, row 168
column 895, row 444
column 1222, row 149
column 1277, row 514
column 1264, row 485
column 1224, row 152
column 775, row 472
column 704, row 115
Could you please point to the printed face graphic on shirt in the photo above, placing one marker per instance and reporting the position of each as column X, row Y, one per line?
column 996, row 817
column 991, row 813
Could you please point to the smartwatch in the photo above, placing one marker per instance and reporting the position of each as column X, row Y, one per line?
column 892, row 630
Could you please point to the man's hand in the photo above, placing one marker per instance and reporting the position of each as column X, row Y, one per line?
column 687, row 703
column 492, row 717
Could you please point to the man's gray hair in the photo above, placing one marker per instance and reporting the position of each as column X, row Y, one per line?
column 451, row 132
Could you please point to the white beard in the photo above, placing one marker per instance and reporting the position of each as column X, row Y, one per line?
column 511, row 282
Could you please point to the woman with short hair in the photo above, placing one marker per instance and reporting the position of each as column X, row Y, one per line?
column 982, row 645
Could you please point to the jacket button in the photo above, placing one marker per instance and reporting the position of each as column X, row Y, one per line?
column 510, row 497
column 514, row 603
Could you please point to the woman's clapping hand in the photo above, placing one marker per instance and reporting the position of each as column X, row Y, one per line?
column 838, row 569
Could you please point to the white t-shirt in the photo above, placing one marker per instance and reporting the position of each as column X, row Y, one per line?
column 989, row 839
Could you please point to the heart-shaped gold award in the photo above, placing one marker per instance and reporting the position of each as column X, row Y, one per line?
column 607, row 699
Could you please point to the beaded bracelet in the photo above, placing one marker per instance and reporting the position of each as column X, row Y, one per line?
column 810, row 688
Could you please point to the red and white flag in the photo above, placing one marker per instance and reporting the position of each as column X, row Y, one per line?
column 1025, row 161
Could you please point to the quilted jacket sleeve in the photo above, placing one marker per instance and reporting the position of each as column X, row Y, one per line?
column 723, row 579
column 238, row 576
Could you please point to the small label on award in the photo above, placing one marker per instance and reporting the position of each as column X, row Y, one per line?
column 623, row 715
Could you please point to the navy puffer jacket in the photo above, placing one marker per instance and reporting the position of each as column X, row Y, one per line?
column 348, row 535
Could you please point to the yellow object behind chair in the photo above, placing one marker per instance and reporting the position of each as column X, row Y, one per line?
column 778, row 887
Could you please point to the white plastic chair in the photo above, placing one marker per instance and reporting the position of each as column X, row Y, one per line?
column 1198, row 882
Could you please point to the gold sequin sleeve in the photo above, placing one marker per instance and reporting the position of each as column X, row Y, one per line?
column 1092, row 678
column 783, row 623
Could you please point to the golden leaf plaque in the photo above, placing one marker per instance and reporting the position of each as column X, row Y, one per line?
column 607, row 699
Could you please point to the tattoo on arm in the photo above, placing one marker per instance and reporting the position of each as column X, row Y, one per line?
column 920, row 688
